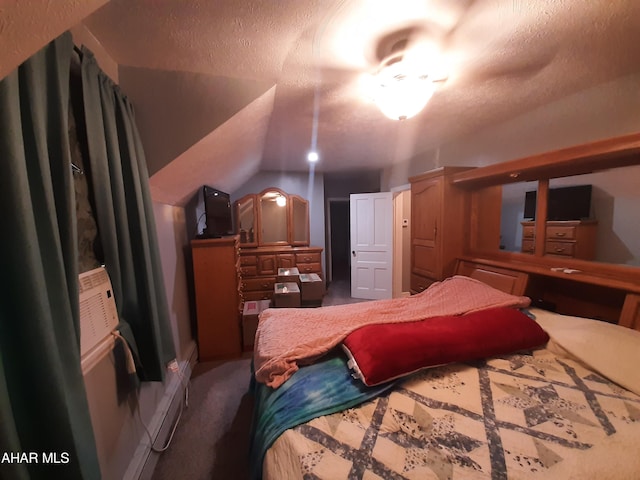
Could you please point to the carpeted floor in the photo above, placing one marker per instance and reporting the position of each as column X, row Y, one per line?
column 212, row 438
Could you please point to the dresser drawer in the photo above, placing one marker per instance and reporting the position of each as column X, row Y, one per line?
column 253, row 284
column 528, row 246
column 307, row 258
column 258, row 295
column 248, row 260
column 249, row 271
column 528, row 231
column 564, row 233
column 309, row 268
column 560, row 248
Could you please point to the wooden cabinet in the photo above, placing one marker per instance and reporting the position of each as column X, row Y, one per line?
column 260, row 266
column 216, row 272
column 572, row 239
column 437, row 226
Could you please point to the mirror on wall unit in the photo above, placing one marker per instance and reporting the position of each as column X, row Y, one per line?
column 585, row 214
column 517, row 224
column 272, row 217
column 589, row 217
column 599, row 212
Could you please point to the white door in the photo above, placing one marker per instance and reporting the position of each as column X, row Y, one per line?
column 371, row 245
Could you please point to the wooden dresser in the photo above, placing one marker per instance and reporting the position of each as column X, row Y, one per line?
column 259, row 267
column 216, row 272
column 437, row 226
column 573, row 239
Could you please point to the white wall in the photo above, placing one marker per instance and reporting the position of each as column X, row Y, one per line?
column 174, row 245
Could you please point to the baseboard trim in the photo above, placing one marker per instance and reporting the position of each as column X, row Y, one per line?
column 144, row 460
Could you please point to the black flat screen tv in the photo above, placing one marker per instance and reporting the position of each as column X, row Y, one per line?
column 217, row 208
column 564, row 203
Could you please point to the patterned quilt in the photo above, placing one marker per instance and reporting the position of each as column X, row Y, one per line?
column 528, row 415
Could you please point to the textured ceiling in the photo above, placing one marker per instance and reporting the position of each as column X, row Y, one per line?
column 195, row 67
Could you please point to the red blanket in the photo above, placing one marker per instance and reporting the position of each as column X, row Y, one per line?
column 289, row 337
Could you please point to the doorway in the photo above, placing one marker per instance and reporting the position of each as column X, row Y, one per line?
column 339, row 239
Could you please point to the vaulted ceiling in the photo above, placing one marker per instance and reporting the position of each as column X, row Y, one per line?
column 226, row 88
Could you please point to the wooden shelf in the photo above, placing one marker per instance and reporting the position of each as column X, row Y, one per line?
column 567, row 272
column 604, row 154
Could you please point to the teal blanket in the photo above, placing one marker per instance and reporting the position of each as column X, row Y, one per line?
column 320, row 389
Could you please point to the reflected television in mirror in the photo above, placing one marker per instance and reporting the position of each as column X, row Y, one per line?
column 564, row 203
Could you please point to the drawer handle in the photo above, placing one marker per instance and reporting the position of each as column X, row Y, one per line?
column 265, row 285
column 560, row 234
column 559, row 250
column 307, row 259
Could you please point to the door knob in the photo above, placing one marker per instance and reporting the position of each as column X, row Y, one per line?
column 353, row 252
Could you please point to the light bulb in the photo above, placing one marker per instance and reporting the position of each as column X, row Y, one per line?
column 402, row 90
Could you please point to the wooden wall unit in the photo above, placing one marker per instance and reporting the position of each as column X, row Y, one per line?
column 216, row 273
column 438, row 211
column 559, row 268
column 259, row 267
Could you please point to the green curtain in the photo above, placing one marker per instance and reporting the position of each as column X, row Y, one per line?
column 126, row 224
column 43, row 405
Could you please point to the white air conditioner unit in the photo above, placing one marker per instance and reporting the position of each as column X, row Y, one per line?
column 98, row 316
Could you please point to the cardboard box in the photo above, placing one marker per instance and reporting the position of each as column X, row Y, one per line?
column 250, row 316
column 311, row 287
column 286, row 294
column 288, row 275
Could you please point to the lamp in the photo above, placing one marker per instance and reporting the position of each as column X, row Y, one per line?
column 401, row 88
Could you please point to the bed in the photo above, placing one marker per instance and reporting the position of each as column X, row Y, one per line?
column 358, row 392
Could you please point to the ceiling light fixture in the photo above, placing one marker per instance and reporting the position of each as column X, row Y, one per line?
column 312, row 157
column 281, row 201
column 402, row 88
